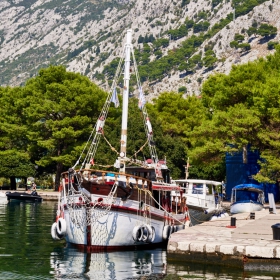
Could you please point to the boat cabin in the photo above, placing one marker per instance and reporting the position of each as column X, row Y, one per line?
column 201, row 193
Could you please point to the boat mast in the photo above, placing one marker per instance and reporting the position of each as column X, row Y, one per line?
column 122, row 158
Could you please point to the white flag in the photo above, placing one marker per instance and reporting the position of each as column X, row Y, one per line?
column 115, row 98
column 142, row 100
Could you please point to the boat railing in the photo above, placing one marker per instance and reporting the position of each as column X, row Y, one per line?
column 96, row 176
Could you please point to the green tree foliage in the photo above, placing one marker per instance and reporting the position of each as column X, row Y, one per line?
column 177, row 59
column 140, row 39
column 243, row 111
column 234, row 44
column 182, row 89
column 252, row 30
column 209, row 60
column 162, row 42
column 189, row 23
column 271, row 45
column 201, row 26
column 110, row 69
column 76, row 52
column 59, row 108
column 202, row 15
column 178, row 33
column 14, row 158
column 238, row 37
column 185, row 2
column 243, row 7
column 177, row 117
column 245, row 46
column 267, row 30
column 158, row 53
column 216, row 3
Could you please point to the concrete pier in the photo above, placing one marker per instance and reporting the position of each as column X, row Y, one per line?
column 249, row 244
column 49, row 195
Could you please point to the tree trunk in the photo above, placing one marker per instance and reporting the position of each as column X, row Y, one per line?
column 59, row 168
column 13, row 183
column 245, row 155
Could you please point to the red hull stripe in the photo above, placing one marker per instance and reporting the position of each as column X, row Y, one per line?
column 134, row 211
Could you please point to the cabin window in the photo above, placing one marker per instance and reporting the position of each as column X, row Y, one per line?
column 197, row 189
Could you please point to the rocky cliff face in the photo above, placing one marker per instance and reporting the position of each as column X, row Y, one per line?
column 86, row 35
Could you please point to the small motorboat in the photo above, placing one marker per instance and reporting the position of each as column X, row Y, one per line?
column 246, row 198
column 203, row 199
column 23, row 196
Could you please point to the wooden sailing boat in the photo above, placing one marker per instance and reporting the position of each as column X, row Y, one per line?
column 129, row 208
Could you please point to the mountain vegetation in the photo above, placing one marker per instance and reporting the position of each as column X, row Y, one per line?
column 179, row 42
column 185, row 51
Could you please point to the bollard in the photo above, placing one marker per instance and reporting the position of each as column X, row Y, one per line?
column 270, row 210
column 252, row 216
column 232, row 221
column 276, row 231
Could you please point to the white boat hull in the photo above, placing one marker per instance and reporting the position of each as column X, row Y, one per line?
column 245, row 207
column 201, row 215
column 114, row 229
column 97, row 228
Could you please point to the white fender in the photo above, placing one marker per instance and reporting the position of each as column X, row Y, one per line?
column 174, row 229
column 152, row 233
column 137, row 233
column 54, row 233
column 61, row 226
column 214, row 217
column 166, row 232
column 210, row 210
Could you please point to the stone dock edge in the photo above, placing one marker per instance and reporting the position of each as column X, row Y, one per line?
column 251, row 243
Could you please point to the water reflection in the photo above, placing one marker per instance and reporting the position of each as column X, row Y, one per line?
column 27, row 251
column 148, row 264
column 72, row 264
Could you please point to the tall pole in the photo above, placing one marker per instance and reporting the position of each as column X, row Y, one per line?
column 128, row 46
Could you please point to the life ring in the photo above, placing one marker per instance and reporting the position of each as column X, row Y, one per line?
column 144, row 233
column 166, row 232
column 61, row 226
column 137, row 233
column 152, row 233
column 54, row 233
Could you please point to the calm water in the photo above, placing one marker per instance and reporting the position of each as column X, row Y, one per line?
column 27, row 251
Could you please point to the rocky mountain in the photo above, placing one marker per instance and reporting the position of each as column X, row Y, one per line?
column 86, row 35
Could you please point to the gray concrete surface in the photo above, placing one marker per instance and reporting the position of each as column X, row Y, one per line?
column 217, row 241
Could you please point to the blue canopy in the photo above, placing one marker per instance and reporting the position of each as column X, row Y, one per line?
column 249, row 187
